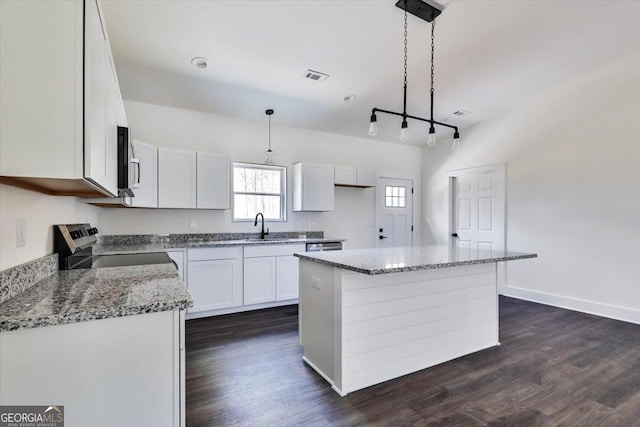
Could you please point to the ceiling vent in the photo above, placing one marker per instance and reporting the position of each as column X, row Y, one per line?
column 460, row 113
column 316, row 75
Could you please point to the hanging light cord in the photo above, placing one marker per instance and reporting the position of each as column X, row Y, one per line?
column 433, row 50
column 404, row 107
column 269, row 133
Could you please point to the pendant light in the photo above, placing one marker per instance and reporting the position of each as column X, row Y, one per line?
column 269, row 152
column 427, row 13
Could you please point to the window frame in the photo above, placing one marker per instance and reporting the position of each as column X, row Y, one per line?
column 399, row 197
column 282, row 195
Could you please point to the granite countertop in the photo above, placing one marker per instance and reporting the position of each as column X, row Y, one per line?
column 95, row 293
column 396, row 260
column 128, row 248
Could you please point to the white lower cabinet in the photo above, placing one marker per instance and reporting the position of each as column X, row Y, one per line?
column 270, row 273
column 123, row 371
column 259, row 280
column 214, row 278
column 286, row 278
column 231, row 279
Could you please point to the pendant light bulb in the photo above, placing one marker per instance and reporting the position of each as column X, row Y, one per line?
column 431, row 140
column 404, row 133
column 373, row 128
column 373, row 125
column 456, row 141
column 269, row 158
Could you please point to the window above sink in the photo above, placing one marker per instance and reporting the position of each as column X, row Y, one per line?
column 259, row 188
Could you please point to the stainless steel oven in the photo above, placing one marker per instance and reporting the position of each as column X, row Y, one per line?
column 74, row 245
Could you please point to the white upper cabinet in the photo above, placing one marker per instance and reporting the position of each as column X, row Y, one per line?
column 96, row 93
column 365, row 178
column 145, row 175
column 213, row 181
column 60, row 98
column 352, row 177
column 345, row 175
column 313, row 187
column 176, row 178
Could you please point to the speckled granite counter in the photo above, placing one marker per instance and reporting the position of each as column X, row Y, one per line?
column 396, row 260
column 132, row 247
column 98, row 293
column 358, row 330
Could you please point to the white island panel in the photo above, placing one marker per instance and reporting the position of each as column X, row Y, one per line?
column 359, row 330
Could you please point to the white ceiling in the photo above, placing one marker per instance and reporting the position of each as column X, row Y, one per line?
column 490, row 56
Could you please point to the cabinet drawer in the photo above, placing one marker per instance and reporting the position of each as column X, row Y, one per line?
column 203, row 254
column 273, row 250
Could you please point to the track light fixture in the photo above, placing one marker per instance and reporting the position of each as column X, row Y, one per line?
column 427, row 13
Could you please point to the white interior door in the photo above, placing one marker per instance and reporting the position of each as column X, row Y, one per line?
column 394, row 212
column 478, row 208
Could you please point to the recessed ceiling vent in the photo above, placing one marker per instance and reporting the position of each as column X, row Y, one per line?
column 460, row 113
column 316, row 75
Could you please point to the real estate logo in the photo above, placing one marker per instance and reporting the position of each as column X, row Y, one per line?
column 32, row 416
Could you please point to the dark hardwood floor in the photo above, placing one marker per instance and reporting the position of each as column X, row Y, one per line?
column 554, row 368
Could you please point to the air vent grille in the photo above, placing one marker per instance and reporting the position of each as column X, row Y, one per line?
column 315, row 75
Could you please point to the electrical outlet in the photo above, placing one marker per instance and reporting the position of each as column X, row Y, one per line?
column 21, row 238
column 193, row 223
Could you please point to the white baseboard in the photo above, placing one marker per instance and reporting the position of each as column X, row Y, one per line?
column 323, row 375
column 590, row 307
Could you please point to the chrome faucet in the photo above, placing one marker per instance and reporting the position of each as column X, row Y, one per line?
column 255, row 224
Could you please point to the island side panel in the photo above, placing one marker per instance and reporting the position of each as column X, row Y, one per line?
column 317, row 317
column 395, row 324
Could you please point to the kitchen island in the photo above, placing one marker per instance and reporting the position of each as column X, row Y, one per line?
column 371, row 315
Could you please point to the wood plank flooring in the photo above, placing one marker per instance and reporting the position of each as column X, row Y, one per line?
column 554, row 368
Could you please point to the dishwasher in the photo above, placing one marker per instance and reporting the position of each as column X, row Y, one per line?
column 324, row 246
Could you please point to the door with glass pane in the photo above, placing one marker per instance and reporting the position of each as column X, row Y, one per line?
column 394, row 212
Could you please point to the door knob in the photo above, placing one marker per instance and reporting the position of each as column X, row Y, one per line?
column 382, row 237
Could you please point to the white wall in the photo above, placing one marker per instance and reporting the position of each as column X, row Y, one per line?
column 573, row 191
column 40, row 212
column 246, row 141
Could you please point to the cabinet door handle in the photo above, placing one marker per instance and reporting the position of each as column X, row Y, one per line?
column 136, row 161
column 454, row 235
column 382, row 237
